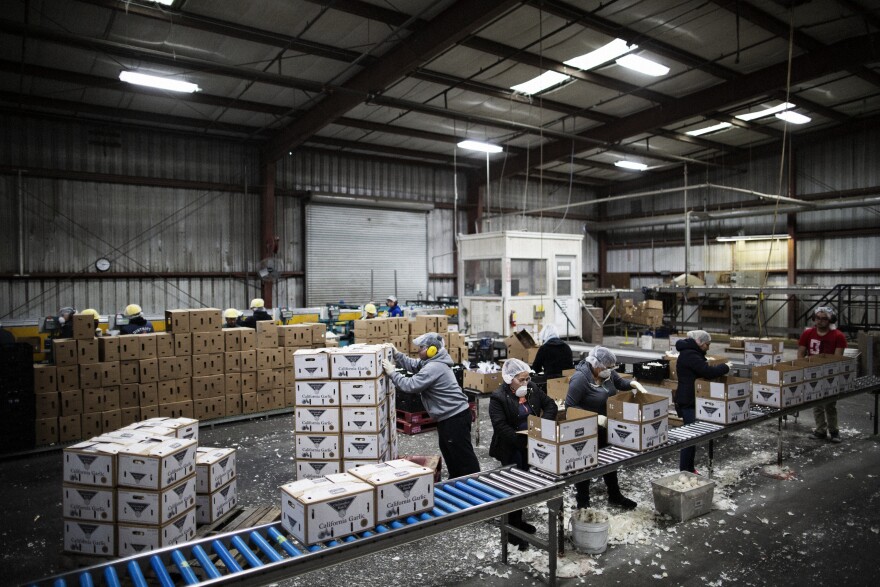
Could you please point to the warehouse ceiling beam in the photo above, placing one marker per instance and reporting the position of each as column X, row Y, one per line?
column 356, row 146
column 449, row 27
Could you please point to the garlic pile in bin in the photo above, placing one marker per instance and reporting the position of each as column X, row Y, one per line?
column 686, row 482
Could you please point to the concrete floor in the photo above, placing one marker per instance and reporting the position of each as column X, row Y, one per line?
column 814, row 521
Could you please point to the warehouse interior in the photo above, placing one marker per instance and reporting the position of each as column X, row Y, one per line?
column 626, row 170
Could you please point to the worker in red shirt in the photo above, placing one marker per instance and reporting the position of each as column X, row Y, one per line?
column 823, row 338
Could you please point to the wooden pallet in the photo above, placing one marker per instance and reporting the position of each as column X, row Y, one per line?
column 415, row 417
column 409, row 428
column 240, row 518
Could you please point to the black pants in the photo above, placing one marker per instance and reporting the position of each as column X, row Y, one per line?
column 582, row 489
column 454, row 436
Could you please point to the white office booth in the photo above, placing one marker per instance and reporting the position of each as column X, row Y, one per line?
column 528, row 278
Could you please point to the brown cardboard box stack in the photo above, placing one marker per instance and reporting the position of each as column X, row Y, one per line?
column 591, row 324
column 400, row 332
column 131, row 490
column 344, row 413
column 637, row 421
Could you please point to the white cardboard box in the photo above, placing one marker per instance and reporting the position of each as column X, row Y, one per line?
column 720, row 411
column 572, row 425
column 563, row 457
column 313, row 469
column 643, row 407
column 215, row 467
column 638, row 436
column 403, row 488
column 84, row 537
column 83, row 502
column 723, row 388
column 91, row 463
column 813, row 389
column 313, row 446
column 356, row 362
column 777, row 396
column 762, row 358
column 778, row 374
column 359, row 446
column 135, row 539
column 349, row 464
column 311, row 364
column 211, row 507
column 157, row 465
column 362, row 392
column 154, row 508
column 318, row 392
column 364, row 419
column 328, row 511
column 316, row 419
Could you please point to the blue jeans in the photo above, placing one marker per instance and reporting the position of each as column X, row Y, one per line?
column 687, row 456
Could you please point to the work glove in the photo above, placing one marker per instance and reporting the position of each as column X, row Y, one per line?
column 603, row 421
column 389, row 367
column 636, row 386
column 729, row 365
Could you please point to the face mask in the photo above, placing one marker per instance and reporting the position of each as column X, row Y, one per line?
column 61, row 320
column 522, row 391
column 605, row 374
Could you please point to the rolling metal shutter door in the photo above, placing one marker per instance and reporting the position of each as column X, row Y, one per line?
column 344, row 243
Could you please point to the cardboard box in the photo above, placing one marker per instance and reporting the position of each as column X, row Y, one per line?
column 129, row 371
column 90, row 376
column 209, row 408
column 315, row 470
column 639, row 407
column 136, row 539
column 67, row 377
column 248, row 338
column 402, row 488
column 184, row 366
column 270, row 399
column 355, row 362
column 266, row 335
column 638, row 436
column 269, row 379
column 64, row 353
column 249, row 382
column 88, row 537
column 778, row 373
column 316, row 419
column 164, row 344
column 365, row 445
column 215, row 467
column 45, row 379
column 91, row 463
column 764, row 345
column 208, row 386
column 129, row 347
column 232, row 362
column 108, row 349
column 93, row 400
column 232, row 383
column 169, row 368
column 723, row 388
column 364, row 419
column 248, row 361
column 298, row 335
column 270, row 358
column 564, row 457
column 762, row 358
column 182, row 344
column 46, row 405
column 205, row 320
column 233, row 404
column 777, row 396
column 721, row 411
column 148, row 370
column 109, row 373
column 130, row 415
column 557, row 387
column 69, row 428
column 311, row 364
column 84, row 326
column 249, row 402
column 317, row 393
column 521, row 345
column 111, row 397
column 82, row 502
column 482, row 382
column 70, row 403
column 210, row 507
column 46, row 431
column 327, row 511
column 362, row 392
column 157, row 465
column 289, row 396
column 313, row 447
column 148, row 393
column 572, row 424
column 181, row 409
column 177, row 321
column 140, row 506
column 148, row 346
column 210, row 364
column 111, row 419
column 207, row 343
column 86, row 351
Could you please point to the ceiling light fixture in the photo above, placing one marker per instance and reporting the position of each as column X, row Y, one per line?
column 153, row 81
column 642, row 65
column 753, row 237
column 767, row 112
column 793, row 117
column 631, row 165
column 548, row 79
column 164, row 2
column 603, row 54
column 478, row 146
column 708, row 129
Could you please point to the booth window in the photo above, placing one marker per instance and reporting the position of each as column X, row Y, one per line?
column 528, row 277
column 482, row 277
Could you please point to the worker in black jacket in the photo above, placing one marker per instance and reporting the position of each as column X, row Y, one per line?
column 554, row 356
column 690, row 366
column 509, row 409
column 258, row 314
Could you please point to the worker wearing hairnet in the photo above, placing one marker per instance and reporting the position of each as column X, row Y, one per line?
column 594, row 381
column 137, row 324
column 443, row 399
column 690, row 366
column 509, row 409
column 394, row 311
column 823, row 338
column 554, row 356
column 65, row 322
column 258, row 314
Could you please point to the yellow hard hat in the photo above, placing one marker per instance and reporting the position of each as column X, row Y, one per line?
column 91, row 312
column 370, row 308
column 231, row 313
column 258, row 303
column 133, row 310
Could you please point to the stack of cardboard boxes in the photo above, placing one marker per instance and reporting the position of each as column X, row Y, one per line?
column 564, row 445
column 344, row 412
column 779, row 385
column 216, row 483
column 637, row 421
column 763, row 351
column 648, row 313
column 131, row 490
column 400, row 332
column 725, row 400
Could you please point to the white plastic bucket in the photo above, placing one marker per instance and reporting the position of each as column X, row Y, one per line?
column 587, row 537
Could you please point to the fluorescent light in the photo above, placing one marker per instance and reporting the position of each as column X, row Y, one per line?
column 631, row 165
column 548, row 79
column 708, row 129
column 164, row 2
column 793, row 117
column 753, row 237
column 163, row 83
column 767, row 112
column 642, row 65
column 603, row 54
column 478, row 146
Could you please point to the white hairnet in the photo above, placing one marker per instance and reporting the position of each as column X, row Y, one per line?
column 603, row 356
column 701, row 336
column 549, row 331
column 512, row 368
column 429, row 339
column 826, row 310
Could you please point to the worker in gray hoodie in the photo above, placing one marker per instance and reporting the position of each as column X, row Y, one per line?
column 443, row 399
